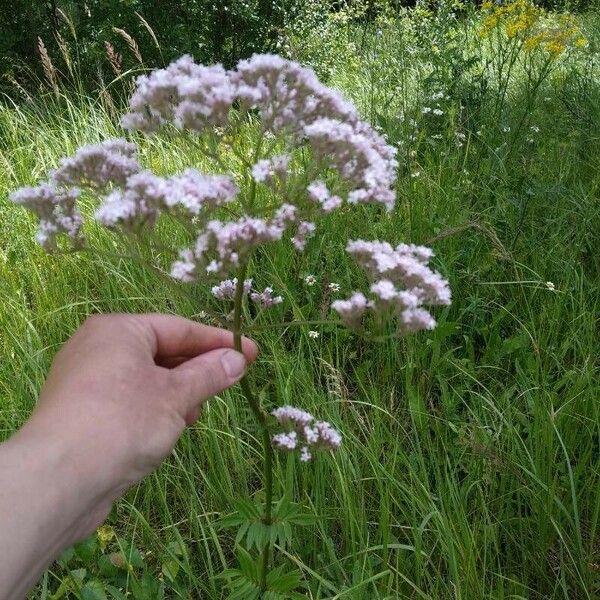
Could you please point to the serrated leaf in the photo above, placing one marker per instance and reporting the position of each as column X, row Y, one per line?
column 279, row 581
column 177, row 547
column 232, row 520
column 170, row 568
column 79, row 575
column 248, row 509
column 93, row 590
column 86, row 550
column 302, row 519
column 66, row 556
column 248, row 566
column 115, row 593
column 242, row 531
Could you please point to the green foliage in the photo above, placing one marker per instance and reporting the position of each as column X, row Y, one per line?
column 107, row 567
column 244, row 582
column 141, row 32
column 470, row 464
column 249, row 518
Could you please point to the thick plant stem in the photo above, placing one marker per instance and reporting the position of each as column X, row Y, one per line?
column 261, row 417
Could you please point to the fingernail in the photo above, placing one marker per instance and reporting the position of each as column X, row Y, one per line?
column 234, row 364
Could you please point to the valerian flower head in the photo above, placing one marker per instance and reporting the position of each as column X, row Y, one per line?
column 55, row 207
column 266, row 298
column 98, row 165
column 226, row 289
column 189, row 95
column 297, row 111
column 265, row 170
column 403, row 284
column 305, row 431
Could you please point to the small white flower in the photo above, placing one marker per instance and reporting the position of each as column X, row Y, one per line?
column 426, row 109
column 506, row 129
column 334, row 287
column 415, row 174
column 438, row 111
column 310, row 280
column 535, row 128
column 313, row 334
column 550, row 285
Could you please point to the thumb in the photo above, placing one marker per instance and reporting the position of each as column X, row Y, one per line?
column 200, row 378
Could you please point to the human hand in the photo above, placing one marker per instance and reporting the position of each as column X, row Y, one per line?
column 118, row 396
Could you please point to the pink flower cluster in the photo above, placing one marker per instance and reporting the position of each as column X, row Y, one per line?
column 305, row 433
column 290, row 100
column 145, row 195
column 318, row 192
column 265, row 170
column 189, row 95
column 403, row 284
column 56, row 209
column 226, row 291
column 220, row 246
column 111, row 162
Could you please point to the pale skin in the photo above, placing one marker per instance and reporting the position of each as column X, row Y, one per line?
column 120, row 393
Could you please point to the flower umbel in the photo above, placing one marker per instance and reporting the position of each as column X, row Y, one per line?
column 304, row 432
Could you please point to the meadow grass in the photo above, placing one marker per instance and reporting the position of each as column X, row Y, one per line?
column 471, row 455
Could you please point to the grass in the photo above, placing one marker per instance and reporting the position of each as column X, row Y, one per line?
column 470, row 464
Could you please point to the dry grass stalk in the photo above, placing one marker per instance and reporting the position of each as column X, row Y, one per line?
column 69, row 22
column 149, row 30
column 130, row 42
column 65, row 52
column 105, row 97
column 50, row 72
column 114, row 58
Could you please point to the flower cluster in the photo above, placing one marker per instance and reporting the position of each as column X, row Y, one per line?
column 111, row 162
column 304, row 433
column 227, row 288
column 403, row 284
column 55, row 208
column 533, row 26
column 291, row 101
column 189, row 95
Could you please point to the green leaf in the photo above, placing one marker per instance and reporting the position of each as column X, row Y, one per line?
column 248, row 565
column 170, row 568
column 115, row 593
column 87, row 549
column 93, row 590
column 279, row 581
column 66, row 557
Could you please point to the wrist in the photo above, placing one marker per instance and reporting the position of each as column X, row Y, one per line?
column 42, row 470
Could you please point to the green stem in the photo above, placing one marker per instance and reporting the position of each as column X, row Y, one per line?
column 261, row 417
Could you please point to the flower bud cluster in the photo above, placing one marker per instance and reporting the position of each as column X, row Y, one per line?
column 305, row 433
column 227, row 288
column 403, row 284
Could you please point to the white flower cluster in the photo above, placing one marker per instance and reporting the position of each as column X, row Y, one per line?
column 306, row 433
column 403, row 284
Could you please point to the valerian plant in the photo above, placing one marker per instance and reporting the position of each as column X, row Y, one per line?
column 312, row 155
